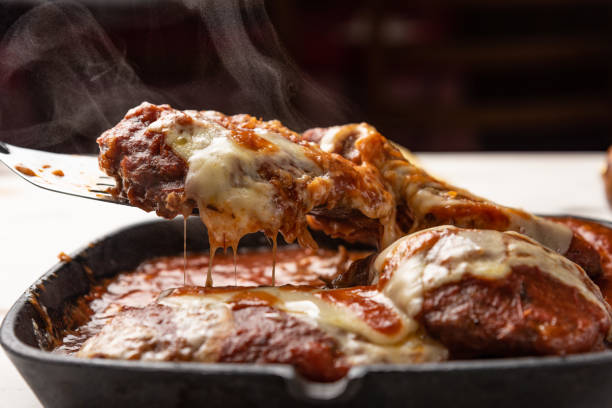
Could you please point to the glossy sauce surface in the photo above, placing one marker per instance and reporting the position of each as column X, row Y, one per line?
column 253, row 268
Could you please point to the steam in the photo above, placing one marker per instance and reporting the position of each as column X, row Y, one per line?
column 59, row 66
column 77, row 79
column 267, row 78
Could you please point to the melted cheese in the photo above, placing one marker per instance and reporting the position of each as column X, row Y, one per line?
column 223, row 175
column 305, row 304
column 457, row 252
column 430, row 195
column 202, row 328
column 415, row 348
column 361, row 343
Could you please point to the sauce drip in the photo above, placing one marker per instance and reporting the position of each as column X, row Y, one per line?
column 184, row 250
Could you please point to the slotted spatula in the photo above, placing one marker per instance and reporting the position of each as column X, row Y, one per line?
column 77, row 175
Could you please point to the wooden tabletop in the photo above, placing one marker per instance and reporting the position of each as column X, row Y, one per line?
column 36, row 225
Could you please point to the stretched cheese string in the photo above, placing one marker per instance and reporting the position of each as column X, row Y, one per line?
column 235, row 253
column 184, row 250
column 274, row 259
column 211, row 258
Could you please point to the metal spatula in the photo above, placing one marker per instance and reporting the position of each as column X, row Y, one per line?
column 72, row 174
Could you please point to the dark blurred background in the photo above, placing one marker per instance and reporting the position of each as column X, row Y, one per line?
column 433, row 75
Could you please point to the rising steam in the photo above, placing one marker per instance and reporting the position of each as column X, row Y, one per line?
column 58, row 64
column 267, row 79
column 74, row 75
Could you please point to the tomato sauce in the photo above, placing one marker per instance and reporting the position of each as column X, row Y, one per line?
column 296, row 266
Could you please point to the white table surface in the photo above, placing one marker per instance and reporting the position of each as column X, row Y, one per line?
column 36, row 225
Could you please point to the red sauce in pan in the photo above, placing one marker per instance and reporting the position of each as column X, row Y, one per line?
column 296, row 266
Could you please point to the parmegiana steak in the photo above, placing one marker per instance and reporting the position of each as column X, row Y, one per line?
column 456, row 275
column 438, row 293
column 246, row 175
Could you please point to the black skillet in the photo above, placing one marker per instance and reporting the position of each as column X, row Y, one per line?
column 60, row 381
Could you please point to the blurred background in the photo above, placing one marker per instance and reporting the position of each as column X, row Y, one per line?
column 433, row 75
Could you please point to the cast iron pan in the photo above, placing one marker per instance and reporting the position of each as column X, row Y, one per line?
column 60, row 381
